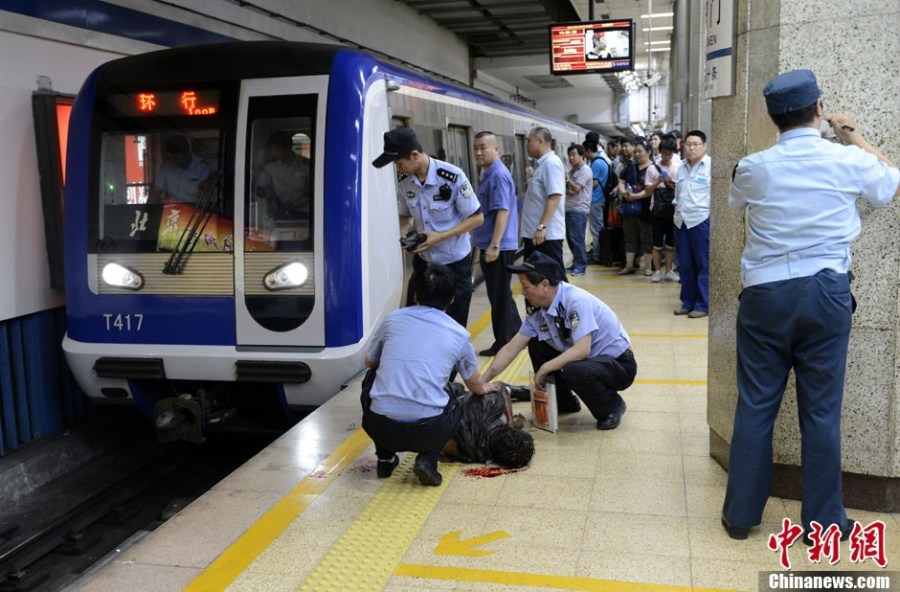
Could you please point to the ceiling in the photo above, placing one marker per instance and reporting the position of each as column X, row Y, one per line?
column 509, row 39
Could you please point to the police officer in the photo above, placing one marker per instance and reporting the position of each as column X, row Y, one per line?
column 799, row 198
column 574, row 337
column 439, row 199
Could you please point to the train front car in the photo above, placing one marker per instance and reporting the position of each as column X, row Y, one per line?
column 219, row 253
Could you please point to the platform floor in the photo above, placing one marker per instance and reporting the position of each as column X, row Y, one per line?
column 632, row 509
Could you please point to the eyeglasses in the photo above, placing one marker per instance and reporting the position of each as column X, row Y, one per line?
column 693, row 144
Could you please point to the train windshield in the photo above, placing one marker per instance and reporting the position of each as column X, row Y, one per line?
column 158, row 188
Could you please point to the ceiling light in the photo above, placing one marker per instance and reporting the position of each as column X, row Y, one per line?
column 658, row 14
column 652, row 49
column 658, row 28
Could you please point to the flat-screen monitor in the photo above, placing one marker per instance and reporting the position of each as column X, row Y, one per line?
column 592, row 47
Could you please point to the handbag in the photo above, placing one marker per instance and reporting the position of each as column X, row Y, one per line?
column 629, row 208
column 663, row 198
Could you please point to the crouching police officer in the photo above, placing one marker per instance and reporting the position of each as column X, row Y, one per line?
column 440, row 201
column 574, row 337
column 408, row 404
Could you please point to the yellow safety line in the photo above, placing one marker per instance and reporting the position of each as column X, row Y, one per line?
column 670, row 335
column 482, row 322
column 668, row 381
column 365, row 556
column 490, row 576
column 235, row 559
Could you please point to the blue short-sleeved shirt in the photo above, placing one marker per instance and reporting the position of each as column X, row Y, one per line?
column 799, row 198
column 582, row 313
column 417, row 348
column 497, row 191
column 549, row 178
column 600, row 170
column 441, row 203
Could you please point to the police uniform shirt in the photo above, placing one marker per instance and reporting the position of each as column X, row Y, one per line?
column 692, row 193
column 573, row 314
column 183, row 184
column 418, row 347
column 497, row 191
column 549, row 178
column 799, row 197
column 439, row 204
column 290, row 180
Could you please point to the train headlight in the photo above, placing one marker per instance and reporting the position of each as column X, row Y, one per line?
column 122, row 277
column 290, row 275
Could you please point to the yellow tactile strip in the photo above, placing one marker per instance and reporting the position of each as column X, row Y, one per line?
column 365, row 557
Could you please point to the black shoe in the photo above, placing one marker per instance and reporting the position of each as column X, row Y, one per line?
column 845, row 533
column 427, row 473
column 384, row 468
column 738, row 534
column 573, row 407
column 519, row 393
column 489, row 352
column 611, row 421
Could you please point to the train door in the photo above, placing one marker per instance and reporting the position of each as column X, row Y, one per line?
column 279, row 160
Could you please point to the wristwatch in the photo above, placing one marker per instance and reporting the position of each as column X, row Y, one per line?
column 542, row 227
column 495, row 247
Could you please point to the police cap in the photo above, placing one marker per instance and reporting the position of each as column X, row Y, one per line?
column 398, row 142
column 541, row 263
column 791, row 91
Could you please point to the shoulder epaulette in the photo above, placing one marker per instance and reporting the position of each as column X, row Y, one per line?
column 447, row 175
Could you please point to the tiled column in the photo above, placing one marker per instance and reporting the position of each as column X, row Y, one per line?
column 853, row 47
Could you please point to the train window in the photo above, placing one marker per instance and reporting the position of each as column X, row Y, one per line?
column 458, row 148
column 279, row 201
column 155, row 187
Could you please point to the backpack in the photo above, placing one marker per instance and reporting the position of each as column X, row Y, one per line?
column 662, row 198
column 612, row 181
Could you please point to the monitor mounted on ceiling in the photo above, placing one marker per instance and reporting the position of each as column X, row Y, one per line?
column 592, row 47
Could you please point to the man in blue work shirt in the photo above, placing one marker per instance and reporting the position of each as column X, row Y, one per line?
column 573, row 337
column 799, row 198
column 440, row 201
column 543, row 225
column 497, row 238
column 408, row 404
column 600, row 170
column 692, row 196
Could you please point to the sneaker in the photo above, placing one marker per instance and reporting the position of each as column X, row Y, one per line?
column 577, row 272
column 656, row 277
column 648, row 272
column 427, row 473
column 671, row 276
column 626, row 271
column 385, row 468
column 681, row 311
column 697, row 314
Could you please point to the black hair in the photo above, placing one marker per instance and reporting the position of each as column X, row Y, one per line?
column 281, row 139
column 577, row 148
column 590, row 146
column 536, row 277
column 668, row 143
column 433, row 286
column 592, row 137
column 696, row 133
column 612, row 143
column 643, row 144
column 626, row 140
column 510, row 447
column 675, row 133
column 795, row 118
column 480, row 135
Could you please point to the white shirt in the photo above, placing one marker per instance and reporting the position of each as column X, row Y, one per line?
column 692, row 192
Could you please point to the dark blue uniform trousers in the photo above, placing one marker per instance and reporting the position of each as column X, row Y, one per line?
column 505, row 319
column 804, row 324
column 692, row 245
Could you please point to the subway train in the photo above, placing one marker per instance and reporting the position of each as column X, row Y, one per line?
column 194, row 288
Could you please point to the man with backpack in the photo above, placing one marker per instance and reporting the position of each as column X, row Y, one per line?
column 599, row 195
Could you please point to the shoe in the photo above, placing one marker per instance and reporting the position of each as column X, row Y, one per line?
column 626, row 271
column 845, row 533
column 735, row 532
column 573, row 407
column 648, row 272
column 697, row 314
column 671, row 276
column 577, row 272
column 519, row 393
column 385, row 468
column 489, row 352
column 656, row 277
column 682, row 311
column 427, row 473
column 570, row 269
column 611, row 421
column 593, row 261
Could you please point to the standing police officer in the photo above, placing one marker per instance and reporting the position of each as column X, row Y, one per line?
column 440, row 201
column 799, row 198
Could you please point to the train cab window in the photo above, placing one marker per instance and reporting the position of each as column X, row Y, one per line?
column 154, row 186
column 279, row 201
